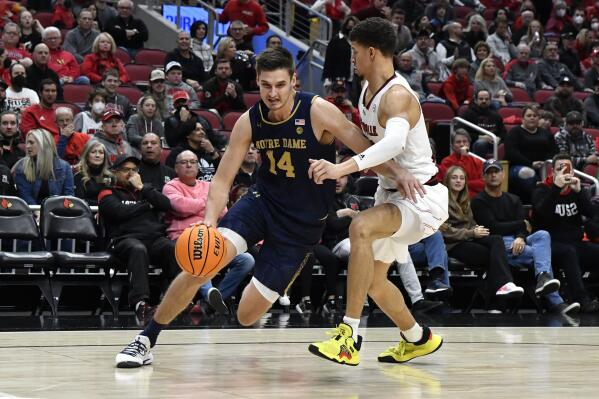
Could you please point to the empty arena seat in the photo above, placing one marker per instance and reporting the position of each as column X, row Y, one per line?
column 139, row 74
column 366, row 185
column 506, row 112
column 17, row 222
column 133, row 94
column 434, row 87
column 230, row 118
column 541, row 96
column 148, row 56
column 211, row 116
column 520, row 95
column 70, row 221
column 45, row 18
column 123, row 56
column 581, row 95
column 437, row 111
column 164, row 154
column 76, row 94
column 251, row 98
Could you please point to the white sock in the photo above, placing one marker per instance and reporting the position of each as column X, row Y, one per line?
column 413, row 334
column 353, row 323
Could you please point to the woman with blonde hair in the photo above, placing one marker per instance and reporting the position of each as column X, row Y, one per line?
column 147, row 120
column 471, row 243
column 476, row 31
column 93, row 175
column 41, row 173
column 535, row 39
column 488, row 79
column 242, row 63
column 102, row 58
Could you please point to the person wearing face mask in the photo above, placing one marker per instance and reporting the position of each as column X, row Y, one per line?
column 18, row 96
column 563, row 101
column 559, row 18
column 339, row 98
column 577, row 22
column 181, row 122
column 573, row 140
column 89, row 121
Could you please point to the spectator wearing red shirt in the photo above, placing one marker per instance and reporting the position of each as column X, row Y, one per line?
column 460, row 156
column 221, row 92
column 10, row 39
column 357, row 5
column 247, row 11
column 62, row 16
column 559, row 18
column 103, row 59
column 69, row 144
column 457, row 89
column 339, row 98
column 41, row 116
column 378, row 8
column 62, row 62
column 337, row 10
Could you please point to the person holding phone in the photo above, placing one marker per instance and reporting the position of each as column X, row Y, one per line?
column 558, row 207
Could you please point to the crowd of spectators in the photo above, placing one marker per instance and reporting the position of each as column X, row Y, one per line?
column 147, row 164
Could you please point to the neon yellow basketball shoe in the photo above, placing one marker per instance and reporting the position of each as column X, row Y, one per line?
column 406, row 351
column 341, row 348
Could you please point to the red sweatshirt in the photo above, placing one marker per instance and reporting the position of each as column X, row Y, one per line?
column 473, row 167
column 38, row 117
column 456, row 91
column 94, row 66
column 64, row 63
column 250, row 13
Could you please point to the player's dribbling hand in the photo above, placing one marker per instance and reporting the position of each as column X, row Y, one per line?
column 408, row 185
column 320, row 170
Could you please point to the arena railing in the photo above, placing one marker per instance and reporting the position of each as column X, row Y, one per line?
column 479, row 129
column 578, row 173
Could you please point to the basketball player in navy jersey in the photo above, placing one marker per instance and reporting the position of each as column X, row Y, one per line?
column 285, row 207
column 392, row 119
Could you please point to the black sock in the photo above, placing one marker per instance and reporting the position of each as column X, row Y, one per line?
column 152, row 330
column 436, row 273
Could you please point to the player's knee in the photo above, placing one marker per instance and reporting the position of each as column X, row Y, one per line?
column 360, row 228
column 245, row 318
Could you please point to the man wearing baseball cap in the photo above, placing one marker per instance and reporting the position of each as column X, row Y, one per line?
column 157, row 89
column 131, row 213
column 174, row 83
column 573, row 140
column 339, row 98
column 112, row 136
column 563, row 100
column 503, row 214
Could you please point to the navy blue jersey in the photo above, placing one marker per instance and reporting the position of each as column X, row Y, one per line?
column 285, row 148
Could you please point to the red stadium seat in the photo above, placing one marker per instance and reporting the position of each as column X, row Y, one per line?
column 76, row 94
column 150, row 57
column 541, row 96
column 581, row 95
column 506, row 112
column 251, row 98
column 164, row 154
column 434, row 87
column 74, row 107
column 230, row 118
column 520, row 95
column 489, row 14
column 508, row 128
column 212, row 117
column 437, row 112
column 139, row 73
column 593, row 132
column 501, row 151
column 591, row 170
column 133, row 94
column 554, row 130
column 462, row 11
column 462, row 109
column 45, row 18
column 123, row 56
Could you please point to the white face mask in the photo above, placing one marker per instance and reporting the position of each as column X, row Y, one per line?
column 578, row 19
column 595, row 25
column 560, row 13
column 98, row 107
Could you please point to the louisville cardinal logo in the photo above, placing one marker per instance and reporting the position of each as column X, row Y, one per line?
column 67, row 204
column 5, row 203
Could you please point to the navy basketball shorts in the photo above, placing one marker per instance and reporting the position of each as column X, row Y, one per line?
column 287, row 243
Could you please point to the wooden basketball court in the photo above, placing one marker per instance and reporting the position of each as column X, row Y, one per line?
column 481, row 362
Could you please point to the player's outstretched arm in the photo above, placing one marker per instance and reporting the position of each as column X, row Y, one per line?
column 239, row 143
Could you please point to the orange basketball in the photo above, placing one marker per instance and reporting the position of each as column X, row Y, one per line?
column 200, row 250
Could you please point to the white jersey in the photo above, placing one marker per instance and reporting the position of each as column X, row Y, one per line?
column 417, row 157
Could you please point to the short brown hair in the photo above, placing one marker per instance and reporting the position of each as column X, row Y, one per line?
column 272, row 59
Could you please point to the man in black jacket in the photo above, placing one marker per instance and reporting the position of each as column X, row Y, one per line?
column 192, row 65
column 7, row 183
column 128, row 32
column 151, row 170
column 10, row 152
column 131, row 213
column 481, row 114
column 503, row 214
column 559, row 205
column 39, row 71
column 221, row 92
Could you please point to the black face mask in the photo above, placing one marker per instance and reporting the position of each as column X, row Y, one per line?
column 19, row 81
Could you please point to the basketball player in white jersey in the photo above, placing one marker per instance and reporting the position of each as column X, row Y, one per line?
column 392, row 119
